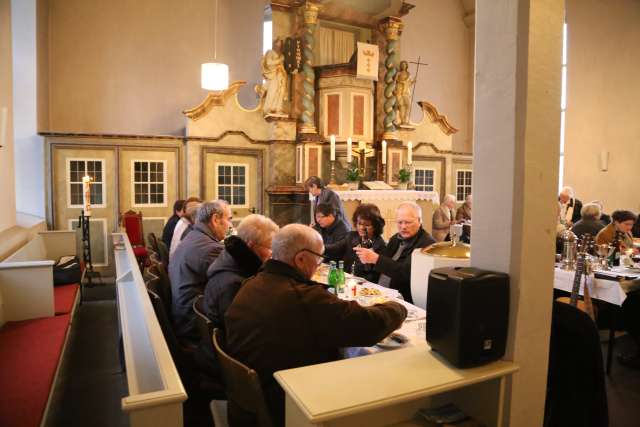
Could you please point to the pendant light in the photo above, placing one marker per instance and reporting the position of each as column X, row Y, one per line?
column 215, row 75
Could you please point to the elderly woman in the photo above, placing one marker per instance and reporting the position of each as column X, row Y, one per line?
column 590, row 222
column 622, row 222
column 443, row 217
column 369, row 225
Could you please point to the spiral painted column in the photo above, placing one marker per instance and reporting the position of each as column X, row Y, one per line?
column 310, row 13
column 392, row 28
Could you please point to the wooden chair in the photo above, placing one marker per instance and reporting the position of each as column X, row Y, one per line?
column 132, row 223
column 162, row 287
column 204, row 324
column 242, row 385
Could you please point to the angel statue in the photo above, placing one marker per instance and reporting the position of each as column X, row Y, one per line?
column 274, row 89
column 404, row 83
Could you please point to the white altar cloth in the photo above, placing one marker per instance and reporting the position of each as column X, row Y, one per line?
column 367, row 196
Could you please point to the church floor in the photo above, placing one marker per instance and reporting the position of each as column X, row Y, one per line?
column 91, row 382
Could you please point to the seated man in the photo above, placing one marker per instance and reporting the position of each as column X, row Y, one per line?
column 443, row 217
column 188, row 267
column 394, row 262
column 331, row 228
column 167, row 231
column 590, row 222
column 190, row 208
column 280, row 319
column 241, row 258
column 570, row 207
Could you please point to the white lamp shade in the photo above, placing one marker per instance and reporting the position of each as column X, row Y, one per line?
column 215, row 76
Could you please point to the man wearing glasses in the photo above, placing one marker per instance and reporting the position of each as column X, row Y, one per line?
column 280, row 319
column 394, row 262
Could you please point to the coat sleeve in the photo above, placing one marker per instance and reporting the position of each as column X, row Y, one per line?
column 439, row 220
column 398, row 271
column 346, row 323
column 336, row 251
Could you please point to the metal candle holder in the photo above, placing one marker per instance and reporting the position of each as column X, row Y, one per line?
column 332, row 179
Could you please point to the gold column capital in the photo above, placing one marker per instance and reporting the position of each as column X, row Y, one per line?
column 392, row 27
column 310, row 11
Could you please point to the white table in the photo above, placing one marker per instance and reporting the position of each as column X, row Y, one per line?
column 605, row 290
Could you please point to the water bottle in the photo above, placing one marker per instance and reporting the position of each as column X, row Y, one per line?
column 341, row 279
column 332, row 278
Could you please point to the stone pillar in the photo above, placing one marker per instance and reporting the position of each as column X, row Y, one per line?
column 515, row 160
column 392, row 28
column 310, row 13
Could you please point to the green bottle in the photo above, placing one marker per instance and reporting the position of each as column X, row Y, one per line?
column 333, row 278
column 341, row 279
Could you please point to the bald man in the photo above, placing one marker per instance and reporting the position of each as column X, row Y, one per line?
column 280, row 319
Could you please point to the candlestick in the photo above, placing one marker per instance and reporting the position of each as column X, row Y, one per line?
column 384, row 152
column 332, row 179
column 332, row 138
column 410, row 153
column 349, row 153
column 86, row 195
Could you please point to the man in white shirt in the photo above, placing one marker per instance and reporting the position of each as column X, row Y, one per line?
column 191, row 206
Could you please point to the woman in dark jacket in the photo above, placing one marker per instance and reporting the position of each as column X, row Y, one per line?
column 369, row 226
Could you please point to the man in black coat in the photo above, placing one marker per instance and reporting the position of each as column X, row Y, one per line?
column 188, row 267
column 167, row 231
column 570, row 207
column 323, row 195
column 394, row 263
column 331, row 228
column 242, row 257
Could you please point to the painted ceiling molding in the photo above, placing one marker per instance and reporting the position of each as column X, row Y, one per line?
column 438, row 118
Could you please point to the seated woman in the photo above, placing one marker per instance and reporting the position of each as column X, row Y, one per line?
column 590, row 221
column 622, row 223
column 369, row 225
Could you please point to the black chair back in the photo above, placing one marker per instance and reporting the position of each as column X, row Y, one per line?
column 576, row 392
column 242, row 385
column 152, row 241
column 162, row 287
column 204, row 324
column 163, row 253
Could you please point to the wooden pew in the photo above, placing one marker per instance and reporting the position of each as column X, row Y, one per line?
column 26, row 277
column 155, row 390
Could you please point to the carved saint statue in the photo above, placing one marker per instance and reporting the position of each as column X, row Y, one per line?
column 404, row 83
column 274, row 89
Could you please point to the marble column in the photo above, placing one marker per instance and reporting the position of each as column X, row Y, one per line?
column 392, row 28
column 310, row 13
column 515, row 161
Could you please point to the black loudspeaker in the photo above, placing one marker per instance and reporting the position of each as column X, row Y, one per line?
column 467, row 315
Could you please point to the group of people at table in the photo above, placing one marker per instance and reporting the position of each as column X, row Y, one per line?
column 257, row 282
column 620, row 228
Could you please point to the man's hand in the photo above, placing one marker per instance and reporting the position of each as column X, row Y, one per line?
column 367, row 256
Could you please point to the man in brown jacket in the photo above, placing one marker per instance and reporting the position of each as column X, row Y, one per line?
column 280, row 319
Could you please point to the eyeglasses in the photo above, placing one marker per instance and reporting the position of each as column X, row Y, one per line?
column 314, row 253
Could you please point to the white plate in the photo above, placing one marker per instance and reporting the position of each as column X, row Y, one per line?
column 395, row 340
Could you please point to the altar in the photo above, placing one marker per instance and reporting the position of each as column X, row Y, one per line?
column 387, row 201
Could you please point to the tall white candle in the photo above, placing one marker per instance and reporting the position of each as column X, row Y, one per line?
column 349, row 150
column 384, row 152
column 86, row 195
column 409, row 152
column 3, row 126
column 332, row 138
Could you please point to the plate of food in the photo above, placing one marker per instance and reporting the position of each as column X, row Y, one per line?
column 369, row 292
column 395, row 340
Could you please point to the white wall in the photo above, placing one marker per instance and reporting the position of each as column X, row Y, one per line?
column 603, row 108
column 7, row 189
column 29, row 149
column 435, row 31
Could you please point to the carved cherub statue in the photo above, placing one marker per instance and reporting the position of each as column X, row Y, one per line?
column 404, row 83
column 274, row 89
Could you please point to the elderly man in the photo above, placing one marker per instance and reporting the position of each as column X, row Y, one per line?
column 242, row 257
column 316, row 188
column 331, row 228
column 464, row 211
column 590, row 222
column 190, row 209
column 167, row 231
column 280, row 319
column 188, row 267
column 570, row 207
column 443, row 217
column 394, row 262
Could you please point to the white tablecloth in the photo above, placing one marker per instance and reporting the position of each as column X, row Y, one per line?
column 605, row 290
column 368, row 196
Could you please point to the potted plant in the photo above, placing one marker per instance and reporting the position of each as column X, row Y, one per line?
column 404, row 176
column 353, row 178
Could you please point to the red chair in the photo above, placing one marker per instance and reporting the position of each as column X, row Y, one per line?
column 132, row 223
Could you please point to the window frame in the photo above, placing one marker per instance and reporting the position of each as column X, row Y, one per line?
column 69, row 182
column 148, row 183
column 464, row 186
column 416, row 169
column 246, row 182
